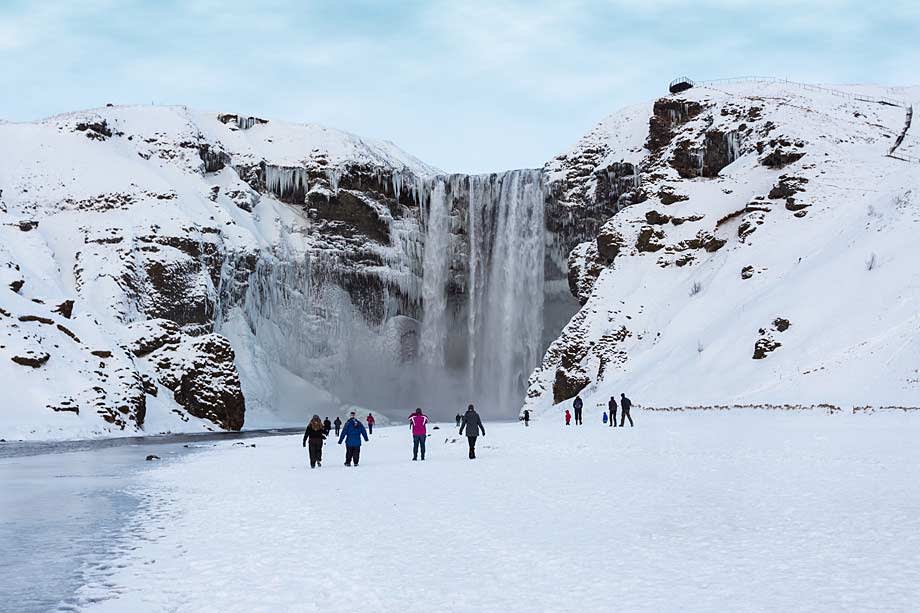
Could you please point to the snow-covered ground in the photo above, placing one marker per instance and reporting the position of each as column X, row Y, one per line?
column 693, row 511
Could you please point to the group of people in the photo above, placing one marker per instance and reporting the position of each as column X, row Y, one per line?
column 353, row 431
column 610, row 415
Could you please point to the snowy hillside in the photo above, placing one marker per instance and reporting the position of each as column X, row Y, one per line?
column 765, row 252
column 741, row 243
column 129, row 241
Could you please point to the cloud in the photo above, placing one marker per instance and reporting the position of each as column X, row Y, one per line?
column 469, row 85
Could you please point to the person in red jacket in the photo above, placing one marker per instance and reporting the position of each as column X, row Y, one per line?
column 568, row 418
column 370, row 423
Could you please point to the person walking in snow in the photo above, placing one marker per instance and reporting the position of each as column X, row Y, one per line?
column 605, row 417
column 459, row 419
column 578, row 404
column 338, row 424
column 352, row 434
column 315, row 434
column 473, row 425
column 327, row 426
column 568, row 418
column 625, row 405
column 526, row 417
column 370, row 423
column 417, row 424
column 612, row 409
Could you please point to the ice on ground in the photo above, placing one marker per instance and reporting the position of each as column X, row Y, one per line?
column 702, row 511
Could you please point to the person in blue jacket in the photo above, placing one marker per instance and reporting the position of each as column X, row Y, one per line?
column 351, row 434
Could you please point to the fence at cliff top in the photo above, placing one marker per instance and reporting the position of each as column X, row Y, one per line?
column 709, row 83
column 905, row 157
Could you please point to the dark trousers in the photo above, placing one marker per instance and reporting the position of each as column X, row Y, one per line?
column 526, row 422
column 337, row 428
column 370, row 428
column 624, row 416
column 418, row 442
column 352, row 454
column 613, row 418
column 472, row 440
column 577, row 416
column 315, row 446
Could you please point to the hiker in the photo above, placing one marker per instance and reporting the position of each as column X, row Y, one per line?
column 526, row 417
column 605, row 417
column 459, row 418
column 578, row 405
column 568, row 418
column 338, row 424
column 625, row 405
column 351, row 434
column 417, row 422
column 327, row 426
column 316, row 434
column 612, row 407
column 473, row 424
column 370, row 423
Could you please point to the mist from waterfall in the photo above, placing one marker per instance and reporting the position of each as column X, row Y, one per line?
column 457, row 315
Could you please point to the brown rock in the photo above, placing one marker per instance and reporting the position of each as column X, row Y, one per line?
column 764, row 346
column 657, row 219
column 568, row 384
column 65, row 309
column 649, row 239
column 32, row 358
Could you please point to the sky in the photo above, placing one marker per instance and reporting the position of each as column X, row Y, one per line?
column 467, row 86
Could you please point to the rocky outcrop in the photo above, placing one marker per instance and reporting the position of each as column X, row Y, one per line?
column 206, row 383
column 668, row 114
column 200, row 371
column 34, row 359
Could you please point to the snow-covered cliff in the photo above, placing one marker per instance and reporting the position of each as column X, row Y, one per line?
column 764, row 252
column 165, row 269
column 739, row 243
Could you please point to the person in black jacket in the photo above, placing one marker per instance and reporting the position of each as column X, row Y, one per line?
column 473, row 424
column 612, row 409
column 625, row 405
column 578, row 405
column 526, row 417
column 338, row 425
column 315, row 435
column 459, row 418
column 327, row 426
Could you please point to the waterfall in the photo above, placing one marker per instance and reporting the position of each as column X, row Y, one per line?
column 488, row 337
column 434, row 276
column 451, row 311
column 506, row 285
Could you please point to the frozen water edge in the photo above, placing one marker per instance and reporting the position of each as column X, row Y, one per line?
column 702, row 511
column 63, row 505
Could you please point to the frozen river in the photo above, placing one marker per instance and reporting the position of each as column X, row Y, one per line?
column 64, row 504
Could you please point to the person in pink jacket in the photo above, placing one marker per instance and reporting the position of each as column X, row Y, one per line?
column 418, row 422
column 370, row 423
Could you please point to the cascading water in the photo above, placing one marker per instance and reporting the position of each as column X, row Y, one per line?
column 490, row 338
column 434, row 276
column 505, row 310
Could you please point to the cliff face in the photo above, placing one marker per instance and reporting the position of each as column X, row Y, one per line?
column 165, row 269
column 162, row 269
column 742, row 263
